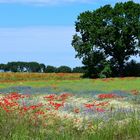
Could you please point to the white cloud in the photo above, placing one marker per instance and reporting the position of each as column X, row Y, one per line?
column 59, row 2
column 45, row 2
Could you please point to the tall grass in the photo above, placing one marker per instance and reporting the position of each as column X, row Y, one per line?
column 13, row 127
column 9, row 76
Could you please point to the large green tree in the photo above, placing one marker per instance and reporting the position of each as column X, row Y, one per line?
column 108, row 34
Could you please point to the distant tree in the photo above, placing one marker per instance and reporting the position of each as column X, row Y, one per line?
column 3, row 67
column 34, row 67
column 64, row 69
column 50, row 69
column 42, row 67
column 24, row 67
column 21, row 66
column 107, row 34
column 12, row 66
column 78, row 70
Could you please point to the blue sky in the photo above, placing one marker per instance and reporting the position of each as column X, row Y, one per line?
column 41, row 30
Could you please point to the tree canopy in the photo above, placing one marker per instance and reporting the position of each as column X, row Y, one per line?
column 108, row 35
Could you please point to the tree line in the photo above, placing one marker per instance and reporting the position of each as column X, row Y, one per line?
column 131, row 68
column 37, row 67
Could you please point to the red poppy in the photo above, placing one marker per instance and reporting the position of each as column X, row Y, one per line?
column 76, row 110
column 103, row 96
column 100, row 110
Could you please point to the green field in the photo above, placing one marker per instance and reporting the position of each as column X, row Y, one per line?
column 105, row 85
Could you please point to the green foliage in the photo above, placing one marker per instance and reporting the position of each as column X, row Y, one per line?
column 22, row 67
column 106, row 72
column 64, row 69
column 42, row 68
column 113, row 32
column 78, row 70
column 50, row 69
column 132, row 69
column 94, row 63
column 3, row 67
column 33, row 67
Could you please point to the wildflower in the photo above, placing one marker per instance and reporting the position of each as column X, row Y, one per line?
column 76, row 110
column 100, row 110
column 48, row 109
column 64, row 96
column 40, row 113
column 104, row 96
column 50, row 97
column 90, row 106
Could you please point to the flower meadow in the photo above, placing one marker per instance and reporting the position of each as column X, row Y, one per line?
column 67, row 116
column 61, row 106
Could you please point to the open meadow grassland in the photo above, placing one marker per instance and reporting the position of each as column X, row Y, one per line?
column 65, row 107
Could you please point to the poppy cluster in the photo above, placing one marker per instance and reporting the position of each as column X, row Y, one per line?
column 104, row 96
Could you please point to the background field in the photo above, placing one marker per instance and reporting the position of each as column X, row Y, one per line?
column 28, row 82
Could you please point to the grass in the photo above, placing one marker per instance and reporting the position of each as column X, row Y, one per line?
column 15, row 128
column 72, row 113
column 71, row 82
column 27, row 125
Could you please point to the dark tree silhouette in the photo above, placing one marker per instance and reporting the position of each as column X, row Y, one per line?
column 108, row 33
